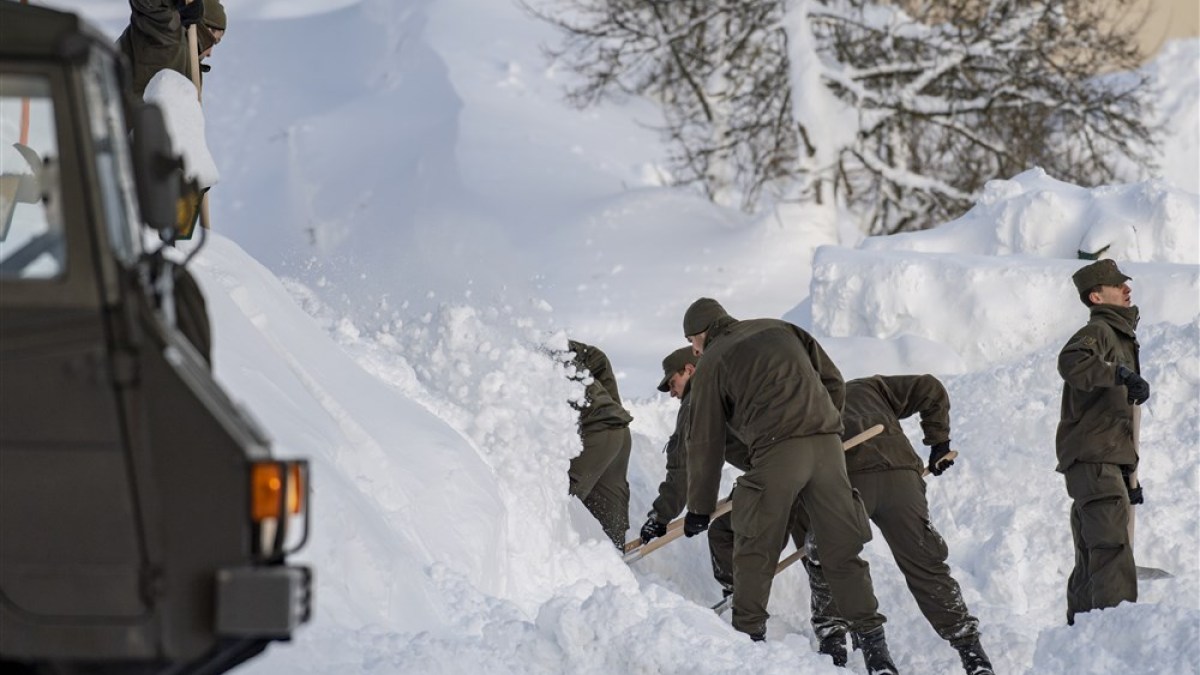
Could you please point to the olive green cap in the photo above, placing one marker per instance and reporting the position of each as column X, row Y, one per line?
column 674, row 363
column 1099, row 273
column 214, row 15
column 700, row 315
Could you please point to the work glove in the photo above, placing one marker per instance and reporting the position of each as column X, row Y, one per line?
column 191, row 13
column 936, row 453
column 694, row 524
column 652, row 529
column 1137, row 388
column 1135, row 493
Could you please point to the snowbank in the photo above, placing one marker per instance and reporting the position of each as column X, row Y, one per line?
column 1034, row 214
column 987, row 309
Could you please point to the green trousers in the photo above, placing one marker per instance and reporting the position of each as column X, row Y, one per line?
column 813, row 469
column 1104, row 573
column 825, row 621
column 895, row 502
column 598, row 478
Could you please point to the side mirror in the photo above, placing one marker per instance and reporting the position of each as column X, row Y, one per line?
column 157, row 171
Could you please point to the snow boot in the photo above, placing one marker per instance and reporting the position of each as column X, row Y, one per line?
column 834, row 646
column 974, row 660
column 875, row 652
column 759, row 637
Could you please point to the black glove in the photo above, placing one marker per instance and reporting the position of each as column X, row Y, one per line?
column 1135, row 493
column 653, row 529
column 1137, row 388
column 191, row 13
column 936, row 453
column 1136, row 496
column 694, row 524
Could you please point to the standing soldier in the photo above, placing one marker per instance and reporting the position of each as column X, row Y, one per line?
column 781, row 395
column 598, row 474
column 156, row 37
column 886, row 472
column 1095, row 442
column 678, row 368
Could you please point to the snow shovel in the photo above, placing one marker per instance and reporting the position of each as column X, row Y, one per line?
column 1143, row 573
column 634, row 550
column 194, row 51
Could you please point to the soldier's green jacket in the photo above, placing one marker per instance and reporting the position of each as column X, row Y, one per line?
column 154, row 40
column 769, row 381
column 1096, row 422
column 602, row 408
column 887, row 400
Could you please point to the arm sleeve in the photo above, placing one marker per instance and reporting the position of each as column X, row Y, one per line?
column 830, row 376
column 672, row 492
column 924, row 394
column 157, row 21
column 705, row 442
column 1081, row 363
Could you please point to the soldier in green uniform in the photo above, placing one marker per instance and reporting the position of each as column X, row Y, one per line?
column 886, row 472
column 156, row 38
column 678, row 368
column 598, row 474
column 1095, row 443
column 779, row 393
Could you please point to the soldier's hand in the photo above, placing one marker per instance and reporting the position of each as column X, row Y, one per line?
column 937, row 458
column 1137, row 388
column 191, row 13
column 652, row 529
column 694, row 523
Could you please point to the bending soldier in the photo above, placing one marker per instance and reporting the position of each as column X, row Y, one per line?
column 598, row 474
column 777, row 390
column 678, row 368
column 886, row 472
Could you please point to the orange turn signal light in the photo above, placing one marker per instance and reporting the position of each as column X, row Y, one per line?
column 268, row 483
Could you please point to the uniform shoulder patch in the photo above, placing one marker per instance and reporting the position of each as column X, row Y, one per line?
column 1089, row 340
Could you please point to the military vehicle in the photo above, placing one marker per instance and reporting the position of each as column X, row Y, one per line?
column 145, row 525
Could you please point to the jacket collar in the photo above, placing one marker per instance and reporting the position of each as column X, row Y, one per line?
column 1122, row 319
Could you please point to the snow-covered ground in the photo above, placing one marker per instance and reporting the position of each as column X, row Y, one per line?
column 407, row 214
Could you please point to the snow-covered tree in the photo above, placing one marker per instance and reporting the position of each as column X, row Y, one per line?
column 937, row 97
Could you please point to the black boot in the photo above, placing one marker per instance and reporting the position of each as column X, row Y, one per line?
column 974, row 660
column 875, row 652
column 759, row 637
column 834, row 646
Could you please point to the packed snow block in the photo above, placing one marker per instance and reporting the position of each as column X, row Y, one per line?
column 988, row 309
column 1034, row 214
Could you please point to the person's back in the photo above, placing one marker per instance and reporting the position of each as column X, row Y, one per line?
column 768, row 367
column 886, row 400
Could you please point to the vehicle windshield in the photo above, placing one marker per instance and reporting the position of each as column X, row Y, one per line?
column 32, row 240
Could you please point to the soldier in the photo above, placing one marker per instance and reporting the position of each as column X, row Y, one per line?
column 598, row 474
column 678, row 368
column 886, row 472
column 781, row 395
column 1096, row 445
column 156, row 37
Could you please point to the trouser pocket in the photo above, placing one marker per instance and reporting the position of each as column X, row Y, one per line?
column 747, row 517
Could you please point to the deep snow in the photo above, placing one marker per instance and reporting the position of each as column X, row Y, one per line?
column 408, row 214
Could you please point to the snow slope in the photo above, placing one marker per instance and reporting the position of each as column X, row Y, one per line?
column 408, row 215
